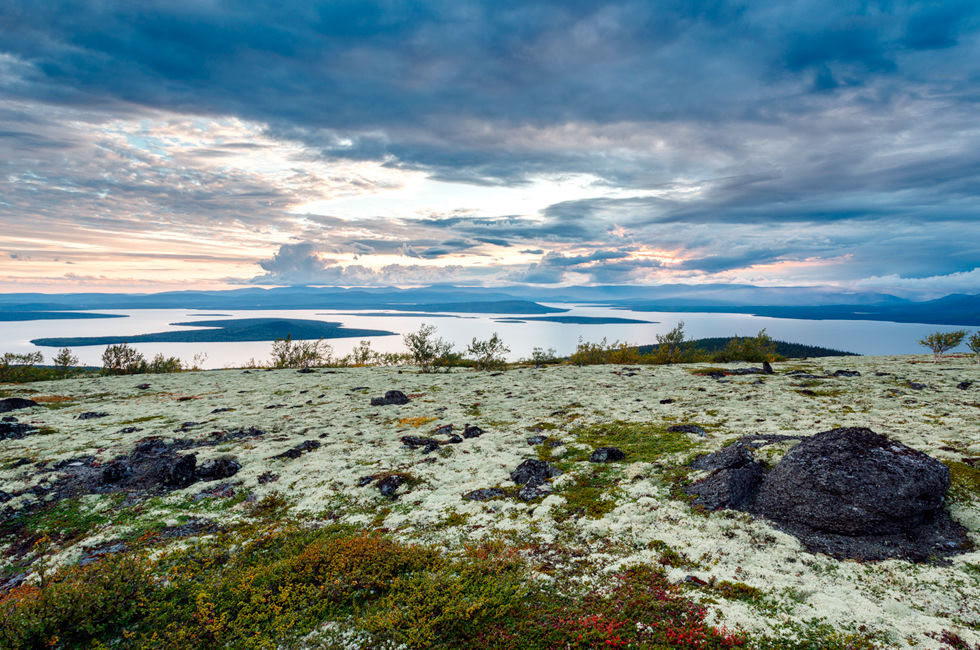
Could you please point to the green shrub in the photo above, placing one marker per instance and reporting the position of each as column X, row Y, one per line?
column 287, row 353
column 426, row 350
column 755, row 349
column 121, row 359
column 942, row 342
column 489, row 354
column 974, row 344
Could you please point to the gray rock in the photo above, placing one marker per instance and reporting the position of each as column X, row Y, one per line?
column 606, row 455
column 687, row 428
column 91, row 415
column 213, row 470
column 533, row 471
column 391, row 397
column 472, row 431
column 181, row 473
column 389, row 485
column 485, row 494
column 15, row 403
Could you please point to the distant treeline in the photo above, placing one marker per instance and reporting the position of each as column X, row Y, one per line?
column 781, row 348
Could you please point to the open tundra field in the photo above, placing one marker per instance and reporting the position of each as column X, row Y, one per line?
column 301, row 469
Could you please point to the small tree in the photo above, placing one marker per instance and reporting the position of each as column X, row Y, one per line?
column 426, row 350
column 122, row 359
column 19, row 367
column 488, row 354
column 64, row 361
column 942, row 342
column 300, row 354
column 161, row 364
column 974, row 344
column 361, row 355
column 540, row 357
column 669, row 350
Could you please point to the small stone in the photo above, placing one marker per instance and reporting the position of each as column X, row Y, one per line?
column 964, row 385
column 142, row 386
column 606, row 455
column 667, row 401
column 91, row 415
column 472, row 431
column 687, row 428
column 485, row 494
column 536, row 440
column 846, row 373
column 389, row 484
column 365, row 480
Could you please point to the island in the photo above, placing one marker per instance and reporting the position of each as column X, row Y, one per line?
column 224, row 331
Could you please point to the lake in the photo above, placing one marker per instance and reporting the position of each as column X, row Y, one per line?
column 862, row 337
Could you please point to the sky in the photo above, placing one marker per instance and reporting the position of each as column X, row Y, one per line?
column 202, row 144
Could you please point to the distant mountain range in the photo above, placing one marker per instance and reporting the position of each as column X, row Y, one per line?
column 815, row 303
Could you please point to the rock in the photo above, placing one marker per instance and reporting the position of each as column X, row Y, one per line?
column 305, row 371
column 846, row 373
column 531, row 492
column 115, row 471
column 536, row 440
column 267, row 477
column 667, row 401
column 687, row 428
column 222, row 410
column 212, row 470
column 853, row 481
column 767, row 368
column 15, row 403
column 727, row 488
column 389, row 484
column 181, row 472
column 97, row 553
column 91, row 415
column 915, row 386
column 365, row 480
column 533, row 471
column 455, row 440
column 732, row 456
column 606, row 455
column 444, row 430
column 129, row 430
column 142, row 386
column 8, row 418
column 391, row 397
column 15, row 430
column 4, row 497
column 150, row 446
column 414, row 442
column 187, row 425
column 485, row 494
column 300, row 449
column 964, row 385
column 472, row 431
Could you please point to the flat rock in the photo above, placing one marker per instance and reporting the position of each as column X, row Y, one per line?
column 485, row 494
column 606, row 455
column 91, row 415
column 14, row 403
column 213, row 470
column 687, row 428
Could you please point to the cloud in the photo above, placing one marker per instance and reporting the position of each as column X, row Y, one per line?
column 837, row 140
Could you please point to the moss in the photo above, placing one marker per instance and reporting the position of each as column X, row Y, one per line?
column 592, row 494
column 964, row 481
column 736, row 590
column 640, row 441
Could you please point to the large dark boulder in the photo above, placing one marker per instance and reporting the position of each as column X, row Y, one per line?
column 606, row 455
column 853, row 481
column 391, row 397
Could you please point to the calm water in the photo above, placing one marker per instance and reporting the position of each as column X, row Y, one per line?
column 863, row 337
